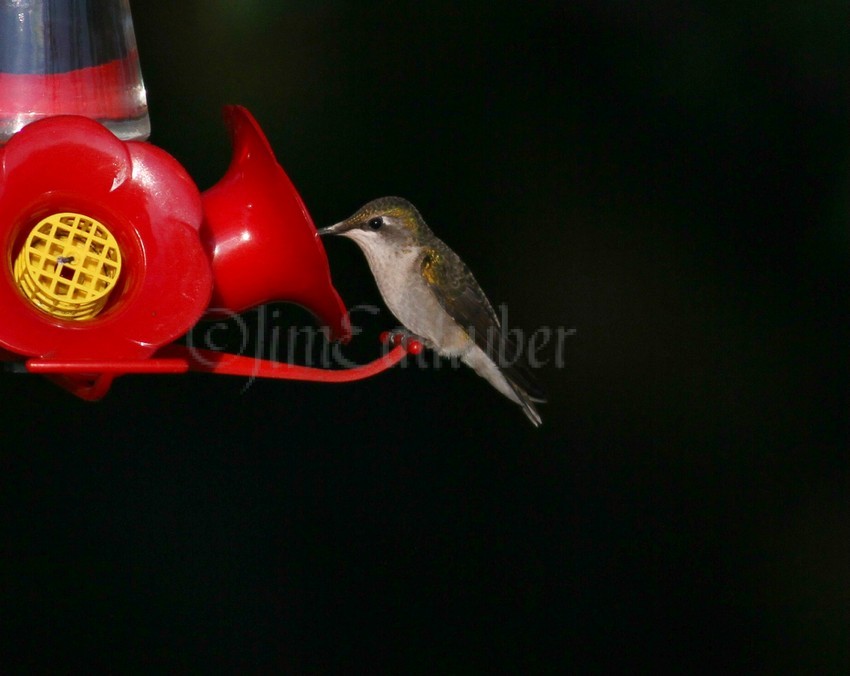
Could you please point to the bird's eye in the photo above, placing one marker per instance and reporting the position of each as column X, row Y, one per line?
column 376, row 223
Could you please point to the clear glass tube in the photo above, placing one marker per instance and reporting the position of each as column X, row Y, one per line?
column 75, row 57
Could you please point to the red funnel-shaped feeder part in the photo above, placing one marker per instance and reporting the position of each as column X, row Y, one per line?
column 261, row 240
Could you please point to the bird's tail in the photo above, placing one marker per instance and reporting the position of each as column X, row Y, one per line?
column 527, row 405
column 526, row 390
column 514, row 381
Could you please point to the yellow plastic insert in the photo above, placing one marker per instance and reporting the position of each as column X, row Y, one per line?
column 68, row 266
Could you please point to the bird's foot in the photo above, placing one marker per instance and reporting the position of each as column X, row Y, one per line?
column 413, row 344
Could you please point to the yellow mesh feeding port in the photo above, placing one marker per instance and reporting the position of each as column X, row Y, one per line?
column 68, row 266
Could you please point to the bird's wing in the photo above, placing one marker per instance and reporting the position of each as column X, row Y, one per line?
column 462, row 298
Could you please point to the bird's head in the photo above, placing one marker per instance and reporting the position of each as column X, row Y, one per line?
column 382, row 223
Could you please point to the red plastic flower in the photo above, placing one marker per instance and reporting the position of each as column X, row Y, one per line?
column 133, row 191
column 112, row 253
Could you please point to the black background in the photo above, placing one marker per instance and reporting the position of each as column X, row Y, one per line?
column 671, row 182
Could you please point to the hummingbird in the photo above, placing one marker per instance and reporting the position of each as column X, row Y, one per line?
column 433, row 294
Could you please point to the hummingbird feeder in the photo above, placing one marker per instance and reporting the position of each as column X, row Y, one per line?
column 110, row 253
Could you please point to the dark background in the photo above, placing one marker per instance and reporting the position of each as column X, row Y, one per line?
column 671, row 182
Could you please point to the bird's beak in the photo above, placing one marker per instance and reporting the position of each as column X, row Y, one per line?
column 336, row 229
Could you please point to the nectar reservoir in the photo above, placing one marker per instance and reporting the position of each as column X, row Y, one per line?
column 71, row 58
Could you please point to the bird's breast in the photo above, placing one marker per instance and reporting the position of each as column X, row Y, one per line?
column 409, row 297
